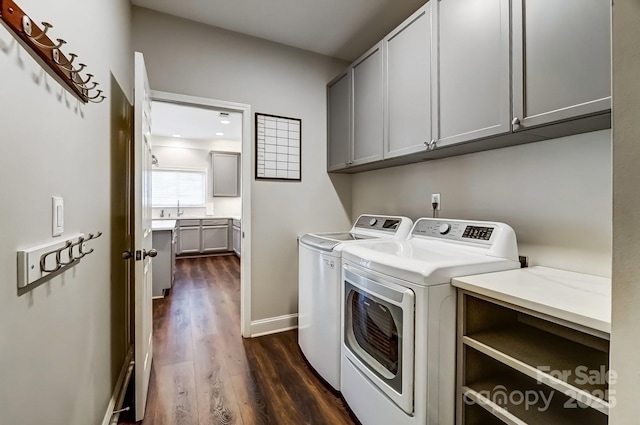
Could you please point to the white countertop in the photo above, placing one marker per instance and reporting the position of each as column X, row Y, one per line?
column 575, row 297
column 163, row 224
column 199, row 217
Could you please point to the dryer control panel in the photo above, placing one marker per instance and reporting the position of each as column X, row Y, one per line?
column 482, row 233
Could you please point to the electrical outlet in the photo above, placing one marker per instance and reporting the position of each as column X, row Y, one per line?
column 435, row 199
column 524, row 261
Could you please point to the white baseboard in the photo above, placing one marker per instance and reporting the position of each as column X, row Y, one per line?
column 274, row 324
column 119, row 388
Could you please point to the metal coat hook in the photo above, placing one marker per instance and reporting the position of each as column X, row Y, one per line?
column 72, row 257
column 56, row 58
column 59, row 255
column 27, row 27
column 77, row 243
column 75, row 73
column 93, row 87
column 95, row 99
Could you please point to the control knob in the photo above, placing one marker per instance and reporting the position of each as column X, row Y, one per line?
column 444, row 228
column 373, row 221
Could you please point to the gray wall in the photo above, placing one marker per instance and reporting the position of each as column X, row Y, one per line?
column 556, row 194
column 273, row 79
column 625, row 342
column 56, row 364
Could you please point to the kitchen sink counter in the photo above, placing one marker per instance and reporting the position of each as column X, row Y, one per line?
column 198, row 217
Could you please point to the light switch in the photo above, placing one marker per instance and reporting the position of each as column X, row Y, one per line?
column 58, row 215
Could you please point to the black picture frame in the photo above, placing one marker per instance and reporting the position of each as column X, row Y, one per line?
column 278, row 147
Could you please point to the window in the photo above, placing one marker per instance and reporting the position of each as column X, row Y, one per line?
column 170, row 186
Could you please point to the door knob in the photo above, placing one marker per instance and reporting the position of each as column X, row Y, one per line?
column 151, row 253
column 516, row 121
column 126, row 255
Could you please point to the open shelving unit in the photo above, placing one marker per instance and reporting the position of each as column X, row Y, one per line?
column 521, row 367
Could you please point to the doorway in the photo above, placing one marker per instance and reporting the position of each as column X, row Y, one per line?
column 233, row 120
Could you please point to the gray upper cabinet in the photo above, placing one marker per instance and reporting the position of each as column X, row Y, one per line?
column 367, row 107
column 474, row 66
column 561, row 60
column 226, row 173
column 462, row 76
column 339, row 122
column 410, row 89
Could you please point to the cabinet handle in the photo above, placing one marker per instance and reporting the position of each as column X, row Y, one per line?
column 426, row 144
column 432, row 144
column 516, row 121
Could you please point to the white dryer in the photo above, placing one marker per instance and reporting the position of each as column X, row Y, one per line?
column 399, row 317
column 319, row 288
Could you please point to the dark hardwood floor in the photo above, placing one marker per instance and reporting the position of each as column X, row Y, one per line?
column 205, row 373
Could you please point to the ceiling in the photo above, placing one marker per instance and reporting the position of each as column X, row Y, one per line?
column 194, row 123
column 342, row 29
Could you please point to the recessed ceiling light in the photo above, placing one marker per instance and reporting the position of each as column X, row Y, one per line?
column 177, row 135
column 219, row 134
column 225, row 122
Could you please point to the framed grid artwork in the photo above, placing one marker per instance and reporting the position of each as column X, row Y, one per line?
column 278, row 148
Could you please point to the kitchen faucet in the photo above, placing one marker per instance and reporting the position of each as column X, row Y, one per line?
column 179, row 212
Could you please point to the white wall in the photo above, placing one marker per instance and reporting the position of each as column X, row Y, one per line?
column 273, row 79
column 55, row 342
column 625, row 342
column 556, row 194
column 183, row 153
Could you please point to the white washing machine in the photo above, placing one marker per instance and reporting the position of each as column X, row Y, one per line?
column 319, row 288
column 399, row 317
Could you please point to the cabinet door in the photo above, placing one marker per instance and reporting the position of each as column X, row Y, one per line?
column 561, row 60
column 162, row 264
column 189, row 240
column 236, row 240
column 368, row 107
column 215, row 238
column 339, row 122
column 474, row 86
column 226, row 172
column 410, row 85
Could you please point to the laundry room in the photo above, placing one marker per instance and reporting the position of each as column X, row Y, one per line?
column 330, row 213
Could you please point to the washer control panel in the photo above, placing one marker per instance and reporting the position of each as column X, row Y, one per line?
column 382, row 223
column 454, row 230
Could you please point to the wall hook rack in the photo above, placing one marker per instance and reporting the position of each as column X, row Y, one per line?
column 41, row 263
column 47, row 52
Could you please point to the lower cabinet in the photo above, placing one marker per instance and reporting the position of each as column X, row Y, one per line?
column 215, row 238
column 203, row 236
column 525, row 368
column 163, row 241
column 189, row 240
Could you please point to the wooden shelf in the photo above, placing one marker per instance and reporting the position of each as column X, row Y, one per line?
column 527, row 350
column 476, row 415
column 561, row 411
column 505, row 352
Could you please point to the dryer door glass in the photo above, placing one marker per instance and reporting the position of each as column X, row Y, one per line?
column 373, row 333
